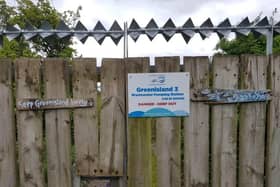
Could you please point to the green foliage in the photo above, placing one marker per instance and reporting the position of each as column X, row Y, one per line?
column 15, row 49
column 247, row 45
column 28, row 11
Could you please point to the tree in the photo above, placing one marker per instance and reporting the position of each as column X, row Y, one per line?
column 27, row 11
column 247, row 45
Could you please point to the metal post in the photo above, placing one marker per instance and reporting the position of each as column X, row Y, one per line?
column 269, row 36
column 125, row 45
column 125, row 52
column 269, row 42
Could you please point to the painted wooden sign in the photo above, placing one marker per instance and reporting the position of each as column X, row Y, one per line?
column 50, row 104
column 224, row 96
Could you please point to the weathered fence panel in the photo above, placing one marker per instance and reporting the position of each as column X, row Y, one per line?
column 58, row 134
column 139, row 137
column 8, row 169
column 112, row 119
column 196, row 126
column 252, row 123
column 30, row 124
column 224, row 146
column 85, row 120
column 168, row 136
column 224, row 125
column 273, row 126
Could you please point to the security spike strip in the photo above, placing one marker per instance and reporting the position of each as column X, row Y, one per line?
column 117, row 32
column 169, row 29
column 222, row 30
column 186, row 38
column 206, row 33
column 99, row 32
column 46, row 28
column 62, row 30
column 263, row 23
column 240, row 30
column 29, row 34
column 81, row 32
column 133, row 30
column 188, row 30
column 152, row 29
column 189, row 23
column 12, row 32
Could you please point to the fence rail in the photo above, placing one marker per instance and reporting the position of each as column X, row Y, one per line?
column 234, row 144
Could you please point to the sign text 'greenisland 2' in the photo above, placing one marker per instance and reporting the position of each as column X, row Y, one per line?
column 158, row 94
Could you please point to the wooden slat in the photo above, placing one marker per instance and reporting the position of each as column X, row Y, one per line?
column 273, row 135
column 168, row 136
column 58, row 135
column 196, row 126
column 252, row 124
column 228, row 96
column 30, row 124
column 224, row 125
column 85, row 120
column 8, row 172
column 112, row 119
column 139, row 138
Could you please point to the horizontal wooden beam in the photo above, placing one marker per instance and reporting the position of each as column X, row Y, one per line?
column 52, row 104
column 225, row 96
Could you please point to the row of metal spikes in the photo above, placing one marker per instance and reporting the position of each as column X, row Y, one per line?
column 168, row 30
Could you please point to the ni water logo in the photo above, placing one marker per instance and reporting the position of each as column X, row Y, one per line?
column 158, row 79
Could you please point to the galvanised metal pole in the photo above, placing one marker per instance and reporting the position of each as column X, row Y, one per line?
column 269, row 40
column 125, row 52
column 269, row 36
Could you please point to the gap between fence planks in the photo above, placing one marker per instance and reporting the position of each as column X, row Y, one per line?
column 196, row 126
column 168, row 136
column 85, row 120
column 273, row 134
column 30, row 124
column 8, row 168
column 224, row 125
column 58, row 136
column 139, row 137
column 252, row 124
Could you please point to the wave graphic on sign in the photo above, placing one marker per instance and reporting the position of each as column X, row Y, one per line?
column 157, row 112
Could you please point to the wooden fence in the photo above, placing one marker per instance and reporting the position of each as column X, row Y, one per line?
column 225, row 145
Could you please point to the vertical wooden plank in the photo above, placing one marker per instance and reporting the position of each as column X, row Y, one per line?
column 224, row 125
column 85, row 120
column 112, row 119
column 30, row 125
column 139, row 138
column 196, row 126
column 58, row 135
column 8, row 171
column 252, row 123
column 273, row 135
column 168, row 136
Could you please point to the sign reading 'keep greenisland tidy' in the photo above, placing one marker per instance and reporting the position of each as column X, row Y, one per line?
column 158, row 94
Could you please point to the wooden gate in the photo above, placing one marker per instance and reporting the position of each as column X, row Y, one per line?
column 217, row 145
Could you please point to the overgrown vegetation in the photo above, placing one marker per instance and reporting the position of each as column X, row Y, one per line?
column 36, row 12
column 247, row 45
